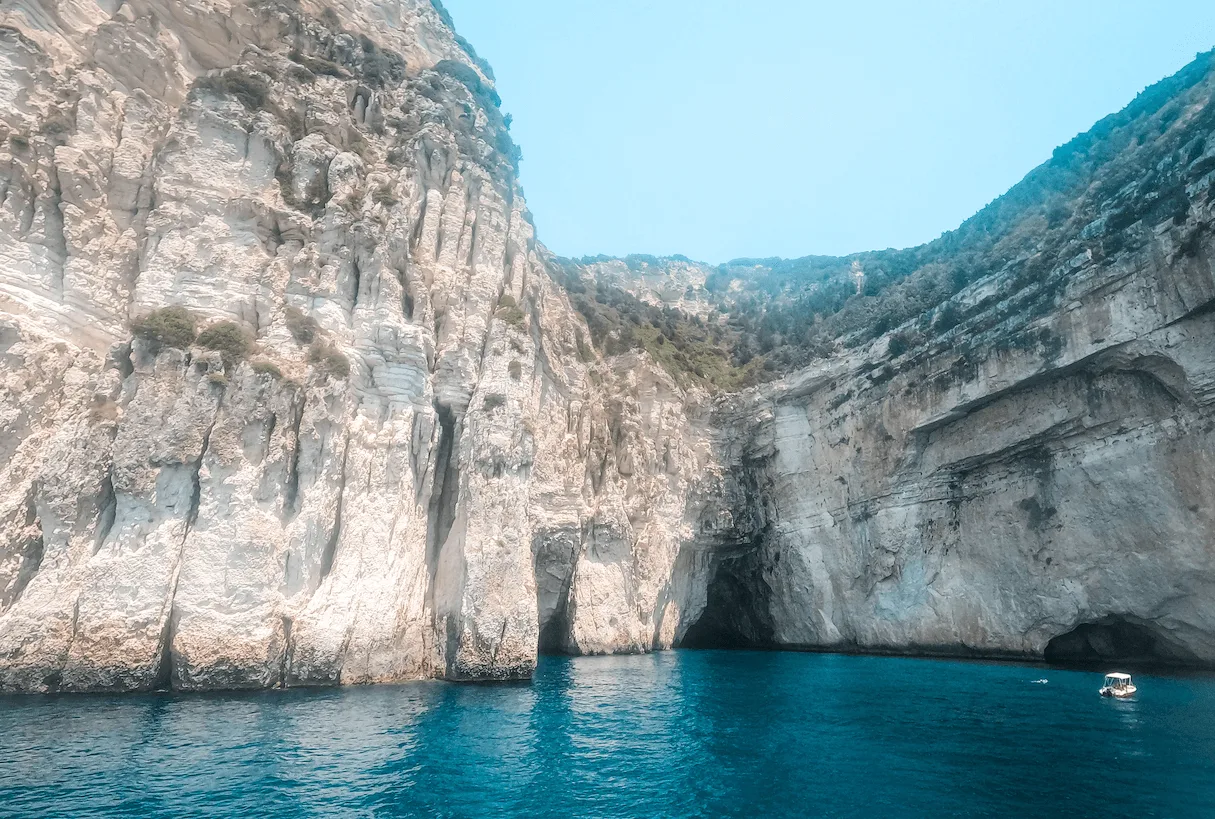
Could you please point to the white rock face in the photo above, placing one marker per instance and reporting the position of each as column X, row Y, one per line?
column 993, row 492
column 412, row 474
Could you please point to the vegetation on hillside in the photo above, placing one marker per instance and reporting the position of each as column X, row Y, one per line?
column 329, row 359
column 250, row 90
column 445, row 16
column 691, row 349
column 1099, row 195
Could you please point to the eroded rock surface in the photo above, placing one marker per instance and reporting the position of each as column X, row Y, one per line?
column 1029, row 473
column 416, row 470
column 986, row 498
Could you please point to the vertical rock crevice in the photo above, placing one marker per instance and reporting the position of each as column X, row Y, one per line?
column 56, row 237
column 29, row 552
column 335, row 536
column 107, row 504
column 356, row 272
column 441, row 595
column 441, row 512
column 284, row 670
column 291, row 491
column 162, row 679
column 163, row 676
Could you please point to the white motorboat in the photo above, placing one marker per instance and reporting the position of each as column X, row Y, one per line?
column 1118, row 685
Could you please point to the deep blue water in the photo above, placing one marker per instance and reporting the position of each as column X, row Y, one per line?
column 673, row 734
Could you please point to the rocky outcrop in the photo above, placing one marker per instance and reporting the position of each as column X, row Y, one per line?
column 1019, row 471
column 391, row 453
column 418, row 468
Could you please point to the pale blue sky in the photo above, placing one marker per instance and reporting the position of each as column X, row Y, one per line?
column 782, row 128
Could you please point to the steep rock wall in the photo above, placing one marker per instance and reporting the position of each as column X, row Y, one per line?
column 417, row 470
column 1032, row 476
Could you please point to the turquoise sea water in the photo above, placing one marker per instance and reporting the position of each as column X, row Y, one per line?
column 675, row 734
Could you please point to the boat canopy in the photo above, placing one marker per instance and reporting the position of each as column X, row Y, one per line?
column 1118, row 675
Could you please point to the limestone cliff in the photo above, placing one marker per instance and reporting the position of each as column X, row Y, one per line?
column 410, row 465
column 1020, row 489
column 291, row 395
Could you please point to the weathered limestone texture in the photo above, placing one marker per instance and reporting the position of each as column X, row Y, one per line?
column 1002, row 487
column 415, row 470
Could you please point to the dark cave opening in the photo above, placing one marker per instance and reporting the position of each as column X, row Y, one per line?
column 554, row 555
column 1114, row 639
column 736, row 614
column 553, row 632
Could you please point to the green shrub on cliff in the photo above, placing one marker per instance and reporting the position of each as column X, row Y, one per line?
column 228, row 338
column 509, row 312
column 264, row 366
column 899, row 343
column 329, row 360
column 172, row 326
column 947, row 318
column 445, row 16
column 303, row 327
column 318, row 65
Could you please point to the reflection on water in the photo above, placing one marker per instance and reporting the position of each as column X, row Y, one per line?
column 671, row 734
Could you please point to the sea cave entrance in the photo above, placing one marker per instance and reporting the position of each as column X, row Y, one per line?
column 1115, row 639
column 736, row 614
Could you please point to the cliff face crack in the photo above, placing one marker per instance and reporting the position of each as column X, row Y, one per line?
column 55, row 236
column 331, row 545
column 107, row 503
column 472, row 241
column 356, row 273
column 406, row 283
column 162, row 680
column 54, row 679
column 196, row 480
column 122, row 360
column 291, row 492
column 284, row 670
column 28, row 210
column 271, row 425
column 29, row 552
column 441, row 513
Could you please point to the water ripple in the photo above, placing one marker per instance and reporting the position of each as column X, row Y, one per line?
column 678, row 734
